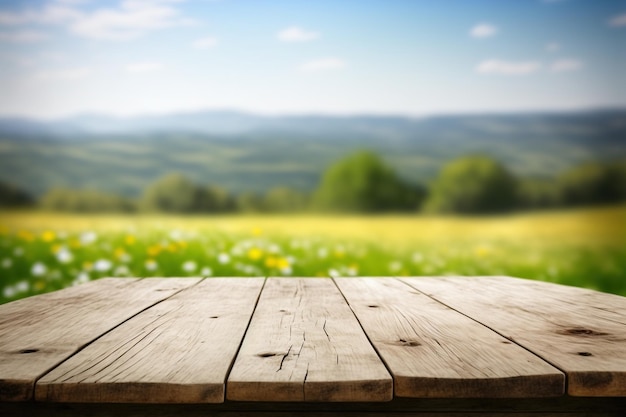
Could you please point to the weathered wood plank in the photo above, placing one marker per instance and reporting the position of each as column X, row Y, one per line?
column 433, row 351
column 178, row 351
column 304, row 344
column 38, row 333
column 582, row 332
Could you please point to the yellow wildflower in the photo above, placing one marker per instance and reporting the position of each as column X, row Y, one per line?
column 282, row 263
column 119, row 252
column 154, row 250
column 257, row 231
column 25, row 235
column 271, row 262
column 48, row 236
column 55, row 248
column 129, row 240
column 255, row 254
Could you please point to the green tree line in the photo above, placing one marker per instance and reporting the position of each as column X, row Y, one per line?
column 361, row 183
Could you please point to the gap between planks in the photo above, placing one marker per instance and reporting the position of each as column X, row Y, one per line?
column 179, row 351
column 40, row 332
column 434, row 352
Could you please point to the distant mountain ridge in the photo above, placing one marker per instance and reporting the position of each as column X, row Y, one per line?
column 243, row 151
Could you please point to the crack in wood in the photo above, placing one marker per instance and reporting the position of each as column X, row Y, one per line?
column 283, row 359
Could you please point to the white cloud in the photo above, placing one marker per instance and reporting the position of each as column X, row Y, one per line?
column 297, row 34
column 205, row 43
column 50, row 14
column 23, row 36
column 483, row 30
column 618, row 21
column 553, row 46
column 496, row 66
column 65, row 74
column 72, row 2
column 143, row 67
column 562, row 65
column 131, row 19
column 323, row 64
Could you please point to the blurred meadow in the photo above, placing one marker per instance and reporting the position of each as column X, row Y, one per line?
column 279, row 138
column 41, row 252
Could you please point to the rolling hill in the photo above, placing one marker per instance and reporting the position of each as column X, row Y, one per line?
column 242, row 151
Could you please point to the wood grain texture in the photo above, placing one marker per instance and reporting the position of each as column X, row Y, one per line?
column 582, row 332
column 304, row 344
column 38, row 333
column 433, row 351
column 178, row 351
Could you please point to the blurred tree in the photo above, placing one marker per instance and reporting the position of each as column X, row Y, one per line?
column 213, row 199
column 175, row 193
column 284, row 199
column 172, row 193
column 11, row 196
column 63, row 199
column 249, row 202
column 473, row 184
column 538, row 193
column 618, row 172
column 362, row 183
column 594, row 183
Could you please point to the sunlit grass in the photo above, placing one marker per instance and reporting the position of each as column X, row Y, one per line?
column 40, row 252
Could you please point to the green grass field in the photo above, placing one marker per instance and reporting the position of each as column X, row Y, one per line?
column 41, row 252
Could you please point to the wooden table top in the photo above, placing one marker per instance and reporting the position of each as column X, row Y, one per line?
column 194, row 340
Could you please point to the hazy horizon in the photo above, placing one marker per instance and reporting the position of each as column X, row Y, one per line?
column 315, row 114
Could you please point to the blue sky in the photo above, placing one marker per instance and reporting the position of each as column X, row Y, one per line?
column 124, row 57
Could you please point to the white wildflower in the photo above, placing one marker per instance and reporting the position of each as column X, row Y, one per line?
column 395, row 266
column 176, row 234
column 64, row 255
column 9, row 291
column 81, row 278
column 352, row 271
column 22, row 286
column 189, row 266
column 38, row 269
column 7, row 263
column 151, row 265
column 206, row 272
column 102, row 265
column 121, row 271
column 88, row 237
column 417, row 257
column 223, row 258
column 273, row 248
column 126, row 258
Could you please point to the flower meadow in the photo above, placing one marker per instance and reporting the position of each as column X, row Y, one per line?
column 41, row 253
